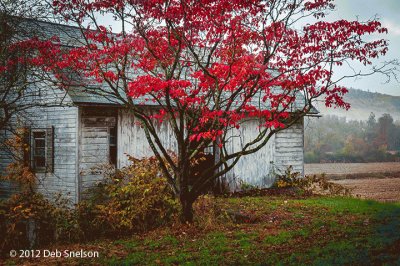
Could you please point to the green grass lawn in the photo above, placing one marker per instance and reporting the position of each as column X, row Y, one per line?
column 280, row 231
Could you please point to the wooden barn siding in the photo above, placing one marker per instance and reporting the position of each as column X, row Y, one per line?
column 284, row 149
column 93, row 150
column 64, row 119
column 253, row 169
column 6, row 188
column 64, row 178
column 132, row 140
column 289, row 148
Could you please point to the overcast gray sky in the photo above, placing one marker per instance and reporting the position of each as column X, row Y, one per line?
column 388, row 12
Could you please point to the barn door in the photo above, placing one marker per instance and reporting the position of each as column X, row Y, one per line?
column 97, row 145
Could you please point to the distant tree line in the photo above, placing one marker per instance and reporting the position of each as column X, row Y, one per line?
column 333, row 139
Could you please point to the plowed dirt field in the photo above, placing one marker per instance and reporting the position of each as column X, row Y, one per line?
column 351, row 168
column 378, row 181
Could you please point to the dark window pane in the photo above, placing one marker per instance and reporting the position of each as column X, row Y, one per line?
column 37, row 135
column 113, row 155
column 113, row 136
column 113, row 145
column 40, row 162
column 40, row 143
column 39, row 149
column 39, row 152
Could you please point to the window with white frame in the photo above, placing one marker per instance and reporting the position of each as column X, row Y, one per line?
column 41, row 153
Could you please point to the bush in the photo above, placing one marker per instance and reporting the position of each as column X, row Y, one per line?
column 310, row 184
column 288, row 179
column 135, row 198
column 321, row 185
column 28, row 219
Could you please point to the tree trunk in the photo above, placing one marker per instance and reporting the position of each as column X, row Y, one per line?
column 187, row 210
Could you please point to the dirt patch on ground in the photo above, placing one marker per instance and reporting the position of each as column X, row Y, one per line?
column 351, row 168
column 382, row 189
column 378, row 181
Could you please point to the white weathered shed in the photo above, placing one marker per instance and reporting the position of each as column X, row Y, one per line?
column 68, row 141
column 87, row 134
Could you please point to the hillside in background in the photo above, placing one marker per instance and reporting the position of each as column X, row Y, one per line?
column 355, row 135
column 363, row 103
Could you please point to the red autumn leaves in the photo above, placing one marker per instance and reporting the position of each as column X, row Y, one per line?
column 222, row 60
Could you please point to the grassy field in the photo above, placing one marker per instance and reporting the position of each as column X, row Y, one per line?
column 260, row 230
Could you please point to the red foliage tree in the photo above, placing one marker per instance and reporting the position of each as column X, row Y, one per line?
column 210, row 65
